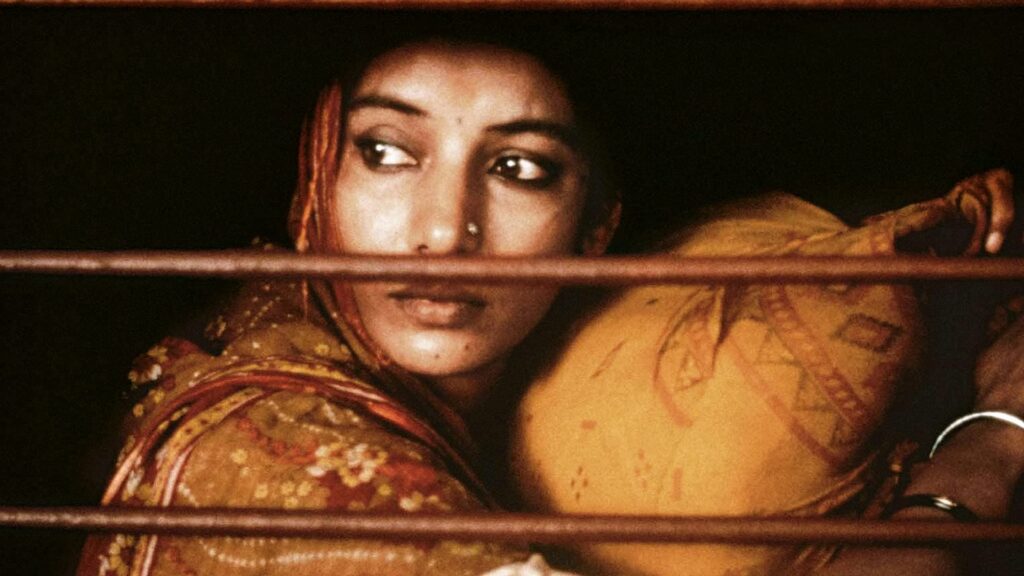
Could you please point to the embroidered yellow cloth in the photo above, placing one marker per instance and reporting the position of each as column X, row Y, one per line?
column 725, row 400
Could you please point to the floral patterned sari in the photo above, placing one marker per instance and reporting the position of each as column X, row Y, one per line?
column 285, row 417
column 295, row 408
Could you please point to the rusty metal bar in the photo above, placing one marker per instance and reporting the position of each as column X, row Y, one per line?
column 586, row 271
column 506, row 527
column 680, row 5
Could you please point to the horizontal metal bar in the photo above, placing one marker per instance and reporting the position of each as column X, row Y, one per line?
column 508, row 527
column 586, row 271
column 538, row 4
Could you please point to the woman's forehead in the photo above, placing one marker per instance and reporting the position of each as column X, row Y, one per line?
column 440, row 76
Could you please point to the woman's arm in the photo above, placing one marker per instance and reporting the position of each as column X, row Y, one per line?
column 979, row 466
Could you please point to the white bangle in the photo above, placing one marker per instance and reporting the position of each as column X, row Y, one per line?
column 965, row 420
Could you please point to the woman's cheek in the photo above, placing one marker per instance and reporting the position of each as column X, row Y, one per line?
column 541, row 228
column 372, row 223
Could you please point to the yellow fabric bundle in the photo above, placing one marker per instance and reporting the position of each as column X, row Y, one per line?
column 723, row 400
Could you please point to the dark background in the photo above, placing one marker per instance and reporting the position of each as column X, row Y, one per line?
column 162, row 128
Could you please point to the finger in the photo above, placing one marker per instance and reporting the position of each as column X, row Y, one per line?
column 1000, row 188
column 994, row 242
column 975, row 213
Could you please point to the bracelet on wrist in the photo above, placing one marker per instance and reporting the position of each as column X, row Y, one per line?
column 946, row 504
column 959, row 423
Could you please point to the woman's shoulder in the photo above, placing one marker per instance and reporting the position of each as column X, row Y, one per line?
column 264, row 324
column 272, row 410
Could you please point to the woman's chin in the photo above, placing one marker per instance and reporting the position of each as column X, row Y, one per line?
column 443, row 355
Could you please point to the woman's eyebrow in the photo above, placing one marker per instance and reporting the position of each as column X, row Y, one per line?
column 380, row 101
column 564, row 133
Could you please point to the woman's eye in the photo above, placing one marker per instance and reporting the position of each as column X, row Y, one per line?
column 377, row 154
column 525, row 170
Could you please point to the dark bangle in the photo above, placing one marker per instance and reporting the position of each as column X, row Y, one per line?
column 955, row 509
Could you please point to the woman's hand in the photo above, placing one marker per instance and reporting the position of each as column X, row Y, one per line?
column 986, row 201
column 983, row 201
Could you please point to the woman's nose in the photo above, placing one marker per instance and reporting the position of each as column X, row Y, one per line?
column 444, row 220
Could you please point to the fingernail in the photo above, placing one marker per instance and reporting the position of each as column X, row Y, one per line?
column 994, row 242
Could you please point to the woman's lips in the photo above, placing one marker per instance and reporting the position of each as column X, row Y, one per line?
column 438, row 307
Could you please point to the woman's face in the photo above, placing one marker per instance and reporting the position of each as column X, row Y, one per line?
column 457, row 150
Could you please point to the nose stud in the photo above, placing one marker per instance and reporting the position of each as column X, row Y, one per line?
column 472, row 242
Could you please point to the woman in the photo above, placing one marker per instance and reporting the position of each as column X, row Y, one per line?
column 354, row 397
column 331, row 396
